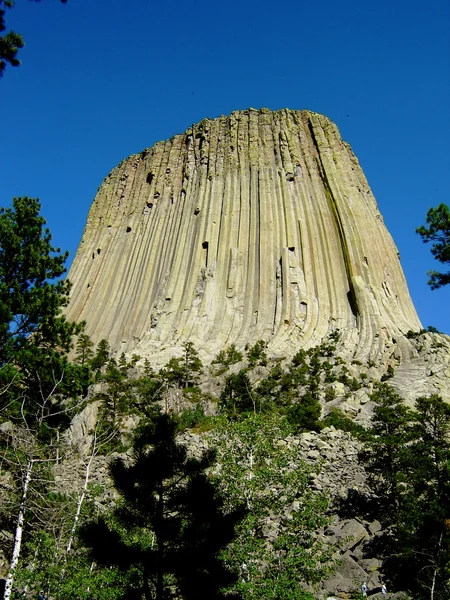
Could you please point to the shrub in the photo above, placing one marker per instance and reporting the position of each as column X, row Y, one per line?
column 389, row 373
column 256, row 354
column 305, row 415
column 337, row 419
column 237, row 396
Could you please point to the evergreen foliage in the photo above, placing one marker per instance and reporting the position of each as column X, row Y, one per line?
column 84, row 349
column 438, row 232
column 305, row 414
column 101, row 356
column 39, row 386
column 386, row 454
column 237, row 396
column 169, row 529
column 257, row 354
column 185, row 370
column 228, row 356
column 30, row 298
column 408, row 456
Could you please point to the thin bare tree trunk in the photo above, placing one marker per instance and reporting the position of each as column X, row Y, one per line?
column 433, row 585
column 80, row 504
column 18, row 534
column 87, row 473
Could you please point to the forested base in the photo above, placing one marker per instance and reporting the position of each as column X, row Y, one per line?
column 406, row 454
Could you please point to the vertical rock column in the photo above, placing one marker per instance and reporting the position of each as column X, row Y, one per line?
column 259, row 225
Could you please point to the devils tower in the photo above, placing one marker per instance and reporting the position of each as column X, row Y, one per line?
column 257, row 225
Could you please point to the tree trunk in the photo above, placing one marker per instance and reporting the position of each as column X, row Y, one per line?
column 160, row 572
column 433, row 585
column 80, row 504
column 19, row 532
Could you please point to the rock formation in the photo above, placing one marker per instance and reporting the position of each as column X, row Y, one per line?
column 258, row 225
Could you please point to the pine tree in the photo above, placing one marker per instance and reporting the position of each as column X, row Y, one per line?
column 185, row 370
column 84, row 349
column 438, row 231
column 170, row 527
column 386, row 454
column 31, row 293
column 408, row 462
column 101, row 356
column 39, row 386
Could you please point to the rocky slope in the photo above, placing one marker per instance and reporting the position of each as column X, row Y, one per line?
column 258, row 225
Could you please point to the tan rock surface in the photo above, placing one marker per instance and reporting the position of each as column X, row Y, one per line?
column 259, row 225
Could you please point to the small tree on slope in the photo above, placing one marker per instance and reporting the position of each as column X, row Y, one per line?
column 170, row 526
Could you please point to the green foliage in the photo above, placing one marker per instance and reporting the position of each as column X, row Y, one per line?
column 61, row 575
column 30, row 303
column 330, row 394
column 438, row 232
column 191, row 417
column 354, row 384
column 311, row 368
column 270, row 392
column 184, row 371
column 275, row 550
column 228, row 356
column 256, row 354
column 10, row 42
column 84, row 349
column 390, row 372
column 337, row 419
column 101, row 356
column 386, row 455
column 167, row 533
column 39, row 385
column 122, row 395
column 408, row 460
column 411, row 335
column 304, row 415
column 432, row 329
column 415, row 334
column 237, row 395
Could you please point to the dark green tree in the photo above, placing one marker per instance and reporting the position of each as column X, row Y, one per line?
column 237, row 395
column 11, row 42
column 423, row 532
column 101, row 355
column 39, row 386
column 438, row 232
column 185, row 370
column 30, row 298
column 304, row 415
column 386, row 456
column 228, row 356
column 84, row 349
column 257, row 354
column 170, row 527
column 408, row 461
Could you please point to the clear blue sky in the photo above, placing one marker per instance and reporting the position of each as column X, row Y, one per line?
column 103, row 79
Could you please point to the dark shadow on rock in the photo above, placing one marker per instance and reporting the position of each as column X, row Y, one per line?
column 359, row 505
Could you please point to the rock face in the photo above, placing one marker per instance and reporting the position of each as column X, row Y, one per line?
column 259, row 225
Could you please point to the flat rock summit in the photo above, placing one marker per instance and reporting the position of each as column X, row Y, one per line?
column 255, row 226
